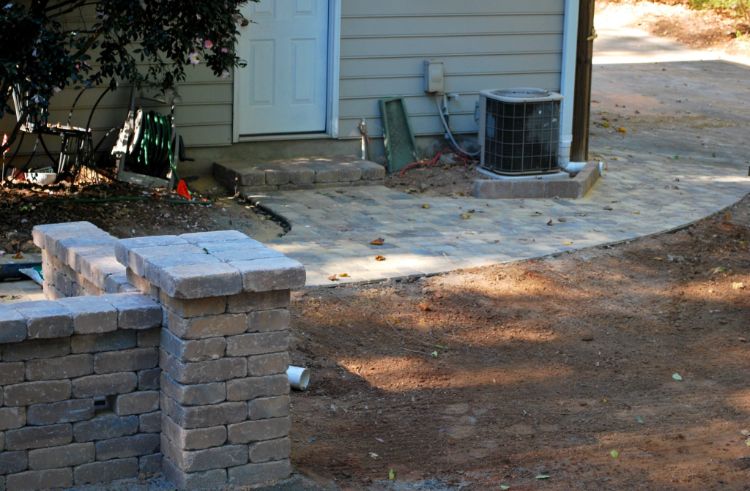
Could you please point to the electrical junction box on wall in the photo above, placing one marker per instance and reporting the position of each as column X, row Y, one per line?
column 434, row 77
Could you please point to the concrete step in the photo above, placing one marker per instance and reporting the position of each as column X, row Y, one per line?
column 304, row 173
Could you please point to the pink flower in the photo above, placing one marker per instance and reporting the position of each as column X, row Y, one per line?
column 208, row 44
column 225, row 50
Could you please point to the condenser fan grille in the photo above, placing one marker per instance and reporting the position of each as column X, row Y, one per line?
column 521, row 132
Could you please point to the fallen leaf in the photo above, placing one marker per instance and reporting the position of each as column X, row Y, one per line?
column 18, row 255
column 719, row 269
column 747, row 442
column 425, row 307
column 622, row 130
column 605, row 124
column 373, row 455
column 542, row 477
column 333, row 277
column 568, row 243
column 378, row 242
column 504, row 487
column 614, row 453
column 465, row 216
column 426, row 206
column 677, row 377
column 391, row 475
column 657, row 258
column 380, row 258
column 738, row 285
column 343, row 275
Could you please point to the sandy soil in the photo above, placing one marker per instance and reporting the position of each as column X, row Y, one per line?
column 673, row 19
column 563, row 367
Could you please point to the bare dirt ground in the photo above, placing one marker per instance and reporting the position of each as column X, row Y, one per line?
column 450, row 176
column 548, row 374
column 673, row 19
column 122, row 210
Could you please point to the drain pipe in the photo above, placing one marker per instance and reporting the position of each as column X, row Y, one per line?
column 567, row 87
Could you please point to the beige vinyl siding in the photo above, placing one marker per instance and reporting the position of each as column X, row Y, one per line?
column 484, row 44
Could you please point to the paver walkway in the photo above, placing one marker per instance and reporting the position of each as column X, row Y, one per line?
column 683, row 157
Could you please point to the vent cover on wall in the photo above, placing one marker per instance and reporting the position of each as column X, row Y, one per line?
column 519, row 131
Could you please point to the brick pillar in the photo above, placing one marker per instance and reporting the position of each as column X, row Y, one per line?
column 224, row 392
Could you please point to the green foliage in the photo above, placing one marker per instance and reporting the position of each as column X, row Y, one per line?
column 136, row 41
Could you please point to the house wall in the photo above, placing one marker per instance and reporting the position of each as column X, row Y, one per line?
column 485, row 44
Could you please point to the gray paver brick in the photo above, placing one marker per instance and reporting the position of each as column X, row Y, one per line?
column 62, row 456
column 200, row 281
column 31, row 437
column 269, row 407
column 193, row 350
column 271, row 364
column 108, row 471
column 194, row 395
column 61, row 412
column 126, row 360
column 128, row 446
column 59, row 368
column 263, row 275
column 257, row 343
column 207, row 459
column 137, row 403
column 45, row 319
column 12, row 325
column 12, row 417
column 105, row 385
column 42, row 479
column 204, row 416
column 91, row 315
column 29, row 393
column 245, row 389
column 135, row 311
column 270, row 450
column 260, row 430
column 254, row 474
column 207, row 327
column 105, row 426
column 196, row 439
column 268, row 320
column 203, row 372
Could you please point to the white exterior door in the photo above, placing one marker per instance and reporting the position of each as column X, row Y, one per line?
column 283, row 88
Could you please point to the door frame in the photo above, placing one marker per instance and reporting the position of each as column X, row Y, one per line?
column 332, row 92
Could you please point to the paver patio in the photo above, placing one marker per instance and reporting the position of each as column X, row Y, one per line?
column 683, row 158
column 332, row 228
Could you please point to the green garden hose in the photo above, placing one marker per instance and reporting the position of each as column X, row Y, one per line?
column 153, row 154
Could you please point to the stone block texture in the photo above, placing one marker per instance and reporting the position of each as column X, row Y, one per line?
column 144, row 361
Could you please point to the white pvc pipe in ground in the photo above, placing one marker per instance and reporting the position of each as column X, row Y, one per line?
column 299, row 377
